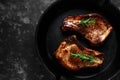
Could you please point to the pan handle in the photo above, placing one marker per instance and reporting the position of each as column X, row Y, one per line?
column 103, row 2
column 98, row 2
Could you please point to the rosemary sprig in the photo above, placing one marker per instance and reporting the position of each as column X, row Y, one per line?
column 84, row 57
column 87, row 22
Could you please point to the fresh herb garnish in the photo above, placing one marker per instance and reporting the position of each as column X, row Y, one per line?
column 87, row 22
column 84, row 57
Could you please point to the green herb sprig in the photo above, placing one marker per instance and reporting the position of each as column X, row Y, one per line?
column 87, row 22
column 83, row 57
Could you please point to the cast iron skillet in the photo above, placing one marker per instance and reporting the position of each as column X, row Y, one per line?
column 49, row 36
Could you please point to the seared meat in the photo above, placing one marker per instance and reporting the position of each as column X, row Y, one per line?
column 74, row 56
column 92, row 26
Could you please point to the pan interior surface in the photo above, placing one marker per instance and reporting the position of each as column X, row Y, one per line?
column 51, row 35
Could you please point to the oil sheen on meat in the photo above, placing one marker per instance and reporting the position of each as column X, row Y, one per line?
column 95, row 33
column 71, row 44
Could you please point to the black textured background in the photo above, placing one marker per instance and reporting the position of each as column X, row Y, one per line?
column 18, row 20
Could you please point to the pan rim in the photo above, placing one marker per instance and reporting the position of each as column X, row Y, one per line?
column 38, row 28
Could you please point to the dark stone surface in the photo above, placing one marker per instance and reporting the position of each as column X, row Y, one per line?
column 18, row 59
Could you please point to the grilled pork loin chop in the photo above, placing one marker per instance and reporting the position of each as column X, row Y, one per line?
column 92, row 26
column 74, row 56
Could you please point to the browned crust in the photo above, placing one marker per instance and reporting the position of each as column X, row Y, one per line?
column 74, row 64
column 95, row 34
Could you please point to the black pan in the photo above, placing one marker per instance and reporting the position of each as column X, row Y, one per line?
column 49, row 36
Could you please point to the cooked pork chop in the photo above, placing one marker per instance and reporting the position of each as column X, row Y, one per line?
column 92, row 26
column 74, row 56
